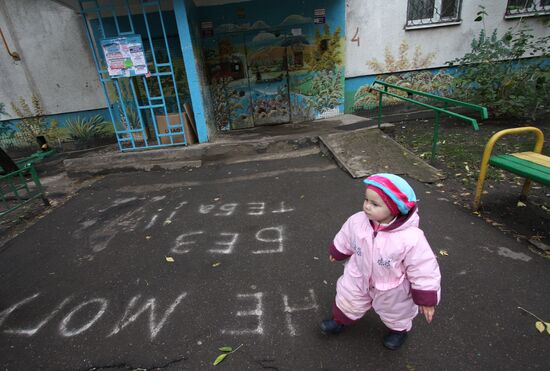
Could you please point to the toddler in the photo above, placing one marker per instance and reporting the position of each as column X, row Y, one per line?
column 391, row 266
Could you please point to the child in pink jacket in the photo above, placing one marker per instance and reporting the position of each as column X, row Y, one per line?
column 391, row 266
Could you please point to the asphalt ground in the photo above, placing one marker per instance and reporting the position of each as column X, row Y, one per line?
column 89, row 286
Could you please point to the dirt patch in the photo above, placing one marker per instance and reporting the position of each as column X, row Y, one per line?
column 459, row 153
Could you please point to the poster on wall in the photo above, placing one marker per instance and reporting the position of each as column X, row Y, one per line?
column 124, row 56
column 319, row 16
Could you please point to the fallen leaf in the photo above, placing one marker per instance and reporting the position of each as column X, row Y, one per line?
column 147, row 237
column 521, row 204
column 167, row 221
column 302, row 196
column 540, row 326
column 325, row 282
column 443, row 253
column 220, row 358
column 225, row 349
column 169, row 259
column 217, row 264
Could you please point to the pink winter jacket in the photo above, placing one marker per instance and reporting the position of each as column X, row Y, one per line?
column 386, row 258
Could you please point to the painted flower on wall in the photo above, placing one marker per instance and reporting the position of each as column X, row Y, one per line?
column 425, row 80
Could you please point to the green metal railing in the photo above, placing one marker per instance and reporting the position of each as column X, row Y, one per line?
column 20, row 187
column 438, row 110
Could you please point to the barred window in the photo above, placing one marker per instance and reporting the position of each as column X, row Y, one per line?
column 433, row 12
column 518, row 8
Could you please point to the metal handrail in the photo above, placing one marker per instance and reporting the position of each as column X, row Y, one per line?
column 13, row 187
column 438, row 111
column 482, row 110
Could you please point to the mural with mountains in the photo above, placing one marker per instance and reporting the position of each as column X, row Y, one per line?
column 274, row 63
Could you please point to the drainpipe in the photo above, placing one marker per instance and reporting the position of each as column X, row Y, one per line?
column 23, row 64
column 14, row 55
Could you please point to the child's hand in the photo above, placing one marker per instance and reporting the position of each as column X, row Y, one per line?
column 428, row 312
column 332, row 260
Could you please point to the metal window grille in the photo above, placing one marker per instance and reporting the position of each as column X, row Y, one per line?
column 527, row 7
column 142, row 109
column 427, row 12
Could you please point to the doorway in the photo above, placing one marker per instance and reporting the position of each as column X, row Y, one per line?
column 249, row 79
column 268, row 80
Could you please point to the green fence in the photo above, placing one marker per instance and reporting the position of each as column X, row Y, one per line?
column 19, row 188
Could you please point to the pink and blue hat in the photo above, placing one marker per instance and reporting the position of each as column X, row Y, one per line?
column 396, row 189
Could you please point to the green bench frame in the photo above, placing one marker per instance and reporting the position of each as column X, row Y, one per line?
column 510, row 162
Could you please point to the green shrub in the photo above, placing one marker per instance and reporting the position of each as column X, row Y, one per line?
column 496, row 74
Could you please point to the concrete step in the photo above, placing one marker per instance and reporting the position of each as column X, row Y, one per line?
column 191, row 157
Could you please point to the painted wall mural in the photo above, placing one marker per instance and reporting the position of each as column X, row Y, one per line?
column 274, row 63
column 418, row 78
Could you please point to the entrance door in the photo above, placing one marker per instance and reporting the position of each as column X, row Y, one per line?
column 267, row 65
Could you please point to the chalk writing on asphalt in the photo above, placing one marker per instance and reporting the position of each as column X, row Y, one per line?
column 273, row 237
column 72, row 317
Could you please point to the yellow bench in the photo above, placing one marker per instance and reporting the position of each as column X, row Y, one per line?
column 533, row 165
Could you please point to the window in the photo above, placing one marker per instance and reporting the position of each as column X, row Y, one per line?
column 521, row 8
column 433, row 12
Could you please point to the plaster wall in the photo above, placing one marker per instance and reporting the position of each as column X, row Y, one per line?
column 55, row 64
column 375, row 26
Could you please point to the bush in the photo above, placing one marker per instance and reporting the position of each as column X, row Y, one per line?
column 495, row 74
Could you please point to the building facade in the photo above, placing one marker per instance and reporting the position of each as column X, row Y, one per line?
column 172, row 72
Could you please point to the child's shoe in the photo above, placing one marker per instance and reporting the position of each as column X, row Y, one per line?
column 330, row 326
column 394, row 339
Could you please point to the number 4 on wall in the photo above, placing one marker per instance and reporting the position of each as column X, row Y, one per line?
column 356, row 38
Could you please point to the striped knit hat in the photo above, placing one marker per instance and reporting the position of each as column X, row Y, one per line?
column 395, row 188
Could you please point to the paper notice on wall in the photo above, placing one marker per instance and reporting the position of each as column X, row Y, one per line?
column 124, row 56
column 319, row 16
